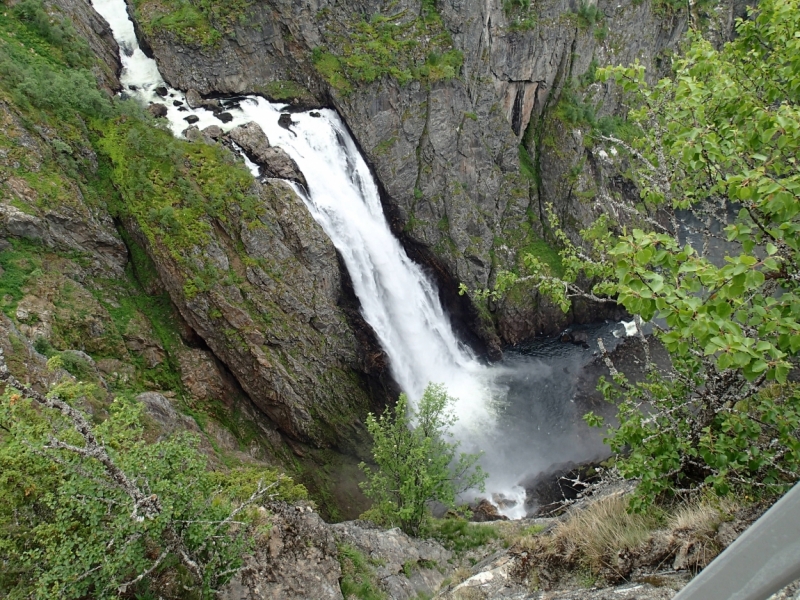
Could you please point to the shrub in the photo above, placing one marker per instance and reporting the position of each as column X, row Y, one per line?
column 415, row 464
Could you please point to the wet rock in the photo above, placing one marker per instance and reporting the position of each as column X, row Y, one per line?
column 252, row 139
column 158, row 110
column 577, row 337
column 565, row 481
column 486, row 511
column 225, row 117
column 213, row 131
column 177, row 103
column 183, row 109
column 285, row 121
column 314, row 113
column 162, row 91
column 191, row 119
column 274, row 162
column 194, row 99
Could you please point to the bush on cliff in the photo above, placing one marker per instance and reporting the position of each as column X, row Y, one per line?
column 416, row 465
column 101, row 511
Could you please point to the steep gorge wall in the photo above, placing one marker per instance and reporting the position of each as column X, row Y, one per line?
column 447, row 152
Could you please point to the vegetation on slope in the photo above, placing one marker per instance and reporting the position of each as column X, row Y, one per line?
column 403, row 47
column 68, row 528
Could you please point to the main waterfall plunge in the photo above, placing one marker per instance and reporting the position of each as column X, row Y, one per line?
column 517, row 412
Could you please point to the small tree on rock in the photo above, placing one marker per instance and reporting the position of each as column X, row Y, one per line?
column 415, row 462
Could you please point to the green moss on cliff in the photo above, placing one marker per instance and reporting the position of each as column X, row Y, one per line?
column 174, row 190
column 194, row 22
column 405, row 49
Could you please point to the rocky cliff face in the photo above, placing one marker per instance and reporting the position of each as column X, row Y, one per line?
column 447, row 152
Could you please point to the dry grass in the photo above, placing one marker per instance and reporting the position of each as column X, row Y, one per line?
column 700, row 517
column 602, row 530
column 606, row 541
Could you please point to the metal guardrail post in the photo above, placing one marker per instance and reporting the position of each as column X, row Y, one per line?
column 764, row 559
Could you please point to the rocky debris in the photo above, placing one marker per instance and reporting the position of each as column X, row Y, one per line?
column 274, row 162
column 158, row 110
column 486, row 511
column 395, row 553
column 162, row 91
column 191, row 119
column 296, row 560
column 116, row 371
column 225, row 117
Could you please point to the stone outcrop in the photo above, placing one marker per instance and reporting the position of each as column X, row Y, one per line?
column 300, row 559
column 296, row 559
column 55, row 212
column 276, row 323
column 447, row 153
column 406, row 567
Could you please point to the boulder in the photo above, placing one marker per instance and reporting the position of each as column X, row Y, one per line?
column 486, row 511
column 274, row 162
column 158, row 110
column 213, row 131
column 194, row 99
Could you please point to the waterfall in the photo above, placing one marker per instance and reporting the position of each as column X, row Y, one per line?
column 397, row 299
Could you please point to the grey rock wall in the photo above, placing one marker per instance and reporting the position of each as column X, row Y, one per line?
column 446, row 155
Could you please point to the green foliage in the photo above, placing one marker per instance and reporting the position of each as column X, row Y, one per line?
column 18, row 263
column 725, row 132
column 57, row 34
column 588, row 15
column 174, row 190
column 386, row 46
column 358, row 575
column 66, row 529
column 284, row 90
column 34, row 49
column 459, row 535
column 415, row 463
column 195, row 22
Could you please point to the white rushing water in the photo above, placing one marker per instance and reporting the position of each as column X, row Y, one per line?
column 397, row 299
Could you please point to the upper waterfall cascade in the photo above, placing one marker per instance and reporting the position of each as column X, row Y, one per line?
column 397, row 299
